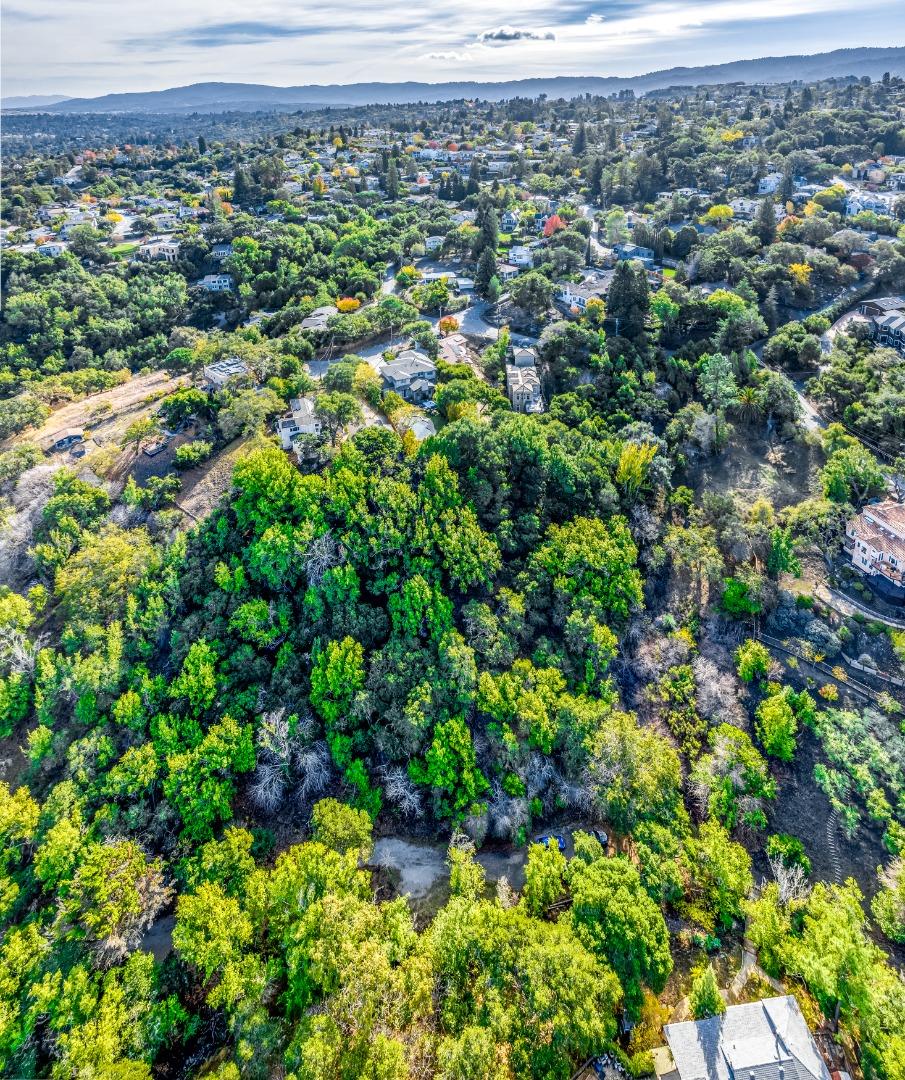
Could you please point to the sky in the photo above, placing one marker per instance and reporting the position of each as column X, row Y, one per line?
column 92, row 47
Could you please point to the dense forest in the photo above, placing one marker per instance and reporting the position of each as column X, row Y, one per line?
column 618, row 638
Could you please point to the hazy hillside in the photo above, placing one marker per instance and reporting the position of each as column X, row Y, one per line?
column 219, row 97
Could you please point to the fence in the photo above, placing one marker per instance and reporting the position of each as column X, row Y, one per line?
column 848, row 681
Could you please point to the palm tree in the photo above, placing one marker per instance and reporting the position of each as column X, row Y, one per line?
column 749, row 404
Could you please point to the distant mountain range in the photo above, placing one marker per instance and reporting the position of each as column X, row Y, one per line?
column 255, row 97
column 32, row 101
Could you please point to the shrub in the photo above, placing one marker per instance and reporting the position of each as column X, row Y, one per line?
column 192, row 453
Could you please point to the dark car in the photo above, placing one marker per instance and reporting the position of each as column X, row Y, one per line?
column 601, row 837
column 545, row 840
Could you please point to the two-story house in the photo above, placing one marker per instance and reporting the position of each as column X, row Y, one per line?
column 412, row 375
column 159, row 247
column 876, row 542
column 216, row 283
column 301, row 421
column 523, row 382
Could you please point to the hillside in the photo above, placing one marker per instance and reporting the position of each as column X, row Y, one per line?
column 251, row 97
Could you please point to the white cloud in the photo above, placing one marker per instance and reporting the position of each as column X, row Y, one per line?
column 78, row 47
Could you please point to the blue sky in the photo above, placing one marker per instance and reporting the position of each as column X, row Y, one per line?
column 88, row 47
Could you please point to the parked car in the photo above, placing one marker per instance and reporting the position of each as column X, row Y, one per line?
column 601, row 837
column 546, row 839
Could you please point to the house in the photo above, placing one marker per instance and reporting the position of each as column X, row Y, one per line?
column 422, row 427
column 644, row 255
column 506, row 271
column 215, row 376
column 571, row 295
column 301, row 421
column 877, row 545
column 434, row 243
column 744, row 209
column 763, row 1039
column 219, row 252
column 61, row 440
column 882, row 305
column 858, row 201
column 509, row 221
column 769, row 184
column 889, row 330
column 523, row 382
column 454, row 349
column 412, row 375
column 522, row 257
column 159, row 247
column 53, row 248
column 319, row 318
column 216, row 283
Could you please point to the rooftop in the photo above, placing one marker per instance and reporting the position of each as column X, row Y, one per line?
column 763, row 1040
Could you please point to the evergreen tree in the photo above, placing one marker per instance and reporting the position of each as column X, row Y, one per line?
column 629, row 299
column 580, row 142
column 705, row 998
column 486, row 271
column 391, row 181
column 765, row 222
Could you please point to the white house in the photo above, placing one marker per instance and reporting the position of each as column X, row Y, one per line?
column 301, row 421
column 215, row 376
column 769, row 184
column 877, row 538
column 506, row 271
column 216, row 283
column 219, row 252
column 521, row 256
column 159, row 247
column 571, row 295
column 509, row 221
column 866, row 200
column 53, row 248
column 434, row 243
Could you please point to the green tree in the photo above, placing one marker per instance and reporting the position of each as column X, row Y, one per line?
column 588, row 562
column 451, row 769
column 616, row 919
column 342, row 828
column 705, row 997
column 777, row 726
column 544, row 874
column 752, row 660
column 337, row 411
column 532, row 292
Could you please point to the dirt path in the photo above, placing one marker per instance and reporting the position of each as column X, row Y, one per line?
column 845, row 605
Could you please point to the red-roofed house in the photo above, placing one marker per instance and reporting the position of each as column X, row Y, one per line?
column 877, row 537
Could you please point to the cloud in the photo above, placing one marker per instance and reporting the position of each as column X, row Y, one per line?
column 17, row 15
column 444, row 56
column 595, row 18
column 215, row 35
column 506, row 34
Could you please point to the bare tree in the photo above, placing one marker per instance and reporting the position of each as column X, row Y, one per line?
column 401, row 792
column 792, row 881
column 322, row 554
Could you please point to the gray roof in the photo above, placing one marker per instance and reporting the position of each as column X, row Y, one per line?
column 409, row 363
column 765, row 1040
column 888, row 303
